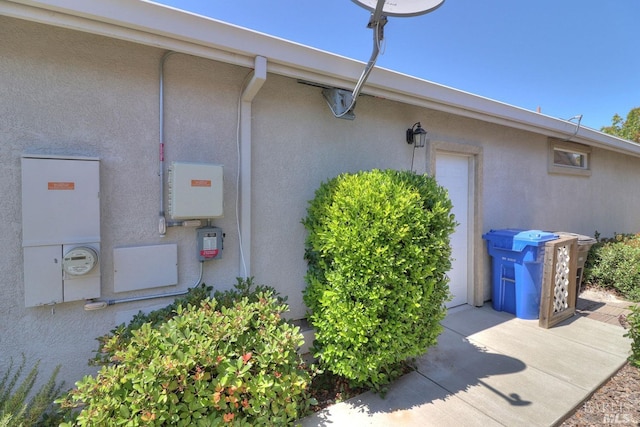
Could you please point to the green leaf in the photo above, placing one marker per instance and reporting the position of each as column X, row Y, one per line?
column 377, row 251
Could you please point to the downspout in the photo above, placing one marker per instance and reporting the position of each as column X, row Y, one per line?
column 255, row 81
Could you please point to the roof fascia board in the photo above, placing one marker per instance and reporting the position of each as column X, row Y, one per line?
column 148, row 23
column 160, row 20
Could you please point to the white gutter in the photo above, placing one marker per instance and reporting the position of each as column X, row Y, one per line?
column 258, row 77
column 168, row 28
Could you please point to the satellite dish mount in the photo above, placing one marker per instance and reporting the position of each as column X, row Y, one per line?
column 341, row 101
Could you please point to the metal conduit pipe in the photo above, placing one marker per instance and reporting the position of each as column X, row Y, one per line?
column 162, row 221
column 98, row 305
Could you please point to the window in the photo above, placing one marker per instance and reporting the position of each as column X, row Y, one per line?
column 569, row 158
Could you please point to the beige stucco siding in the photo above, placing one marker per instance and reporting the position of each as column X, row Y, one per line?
column 297, row 144
column 70, row 93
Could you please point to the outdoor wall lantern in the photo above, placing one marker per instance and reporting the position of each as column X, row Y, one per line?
column 417, row 136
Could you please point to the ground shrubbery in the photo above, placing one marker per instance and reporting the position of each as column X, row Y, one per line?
column 18, row 406
column 634, row 334
column 615, row 264
column 227, row 362
column 378, row 252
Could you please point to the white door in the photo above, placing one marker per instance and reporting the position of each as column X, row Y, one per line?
column 452, row 173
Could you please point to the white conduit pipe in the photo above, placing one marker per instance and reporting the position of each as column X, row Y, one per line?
column 98, row 305
column 243, row 198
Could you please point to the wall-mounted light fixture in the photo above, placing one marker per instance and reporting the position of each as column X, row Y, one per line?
column 417, row 136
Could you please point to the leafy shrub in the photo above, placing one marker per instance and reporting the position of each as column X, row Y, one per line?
column 16, row 409
column 207, row 365
column 377, row 252
column 615, row 264
column 123, row 333
column 634, row 334
column 244, row 288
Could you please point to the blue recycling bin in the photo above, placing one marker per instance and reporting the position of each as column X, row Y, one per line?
column 516, row 269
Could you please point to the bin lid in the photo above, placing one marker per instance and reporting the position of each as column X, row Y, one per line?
column 517, row 238
column 502, row 239
column 532, row 238
column 502, row 233
column 582, row 239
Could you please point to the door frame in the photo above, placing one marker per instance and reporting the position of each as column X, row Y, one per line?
column 476, row 279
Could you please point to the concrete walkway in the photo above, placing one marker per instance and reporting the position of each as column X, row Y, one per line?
column 492, row 369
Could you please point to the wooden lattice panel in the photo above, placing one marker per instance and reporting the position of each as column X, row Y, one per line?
column 558, row 300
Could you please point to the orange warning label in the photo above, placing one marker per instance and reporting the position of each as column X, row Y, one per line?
column 201, row 183
column 61, row 186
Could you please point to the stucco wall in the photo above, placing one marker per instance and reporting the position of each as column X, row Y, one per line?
column 297, row 145
column 70, row 93
column 519, row 192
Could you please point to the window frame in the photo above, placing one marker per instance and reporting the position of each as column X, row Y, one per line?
column 571, row 148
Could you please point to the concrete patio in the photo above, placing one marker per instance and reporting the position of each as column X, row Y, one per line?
column 492, row 369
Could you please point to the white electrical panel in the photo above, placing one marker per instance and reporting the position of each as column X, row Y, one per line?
column 60, row 228
column 195, row 191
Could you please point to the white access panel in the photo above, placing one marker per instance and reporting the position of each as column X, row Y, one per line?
column 195, row 191
column 60, row 201
column 42, row 275
column 144, row 267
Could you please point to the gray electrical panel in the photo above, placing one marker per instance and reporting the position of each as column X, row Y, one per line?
column 209, row 243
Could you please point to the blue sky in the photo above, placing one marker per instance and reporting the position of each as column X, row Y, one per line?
column 567, row 57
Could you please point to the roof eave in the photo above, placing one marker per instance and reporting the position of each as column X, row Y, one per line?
column 148, row 23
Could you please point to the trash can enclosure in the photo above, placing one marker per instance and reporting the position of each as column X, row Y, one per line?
column 516, row 270
column 584, row 245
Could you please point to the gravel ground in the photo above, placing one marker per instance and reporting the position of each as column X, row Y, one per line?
column 617, row 402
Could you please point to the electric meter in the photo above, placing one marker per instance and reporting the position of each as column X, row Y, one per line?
column 79, row 261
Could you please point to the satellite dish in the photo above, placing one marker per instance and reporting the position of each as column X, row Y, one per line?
column 341, row 101
column 402, row 7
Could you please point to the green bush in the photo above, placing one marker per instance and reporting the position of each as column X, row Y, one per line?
column 378, row 252
column 615, row 264
column 17, row 409
column 207, row 365
column 244, row 288
column 123, row 333
column 634, row 334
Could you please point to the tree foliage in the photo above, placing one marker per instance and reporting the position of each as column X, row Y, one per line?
column 627, row 129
